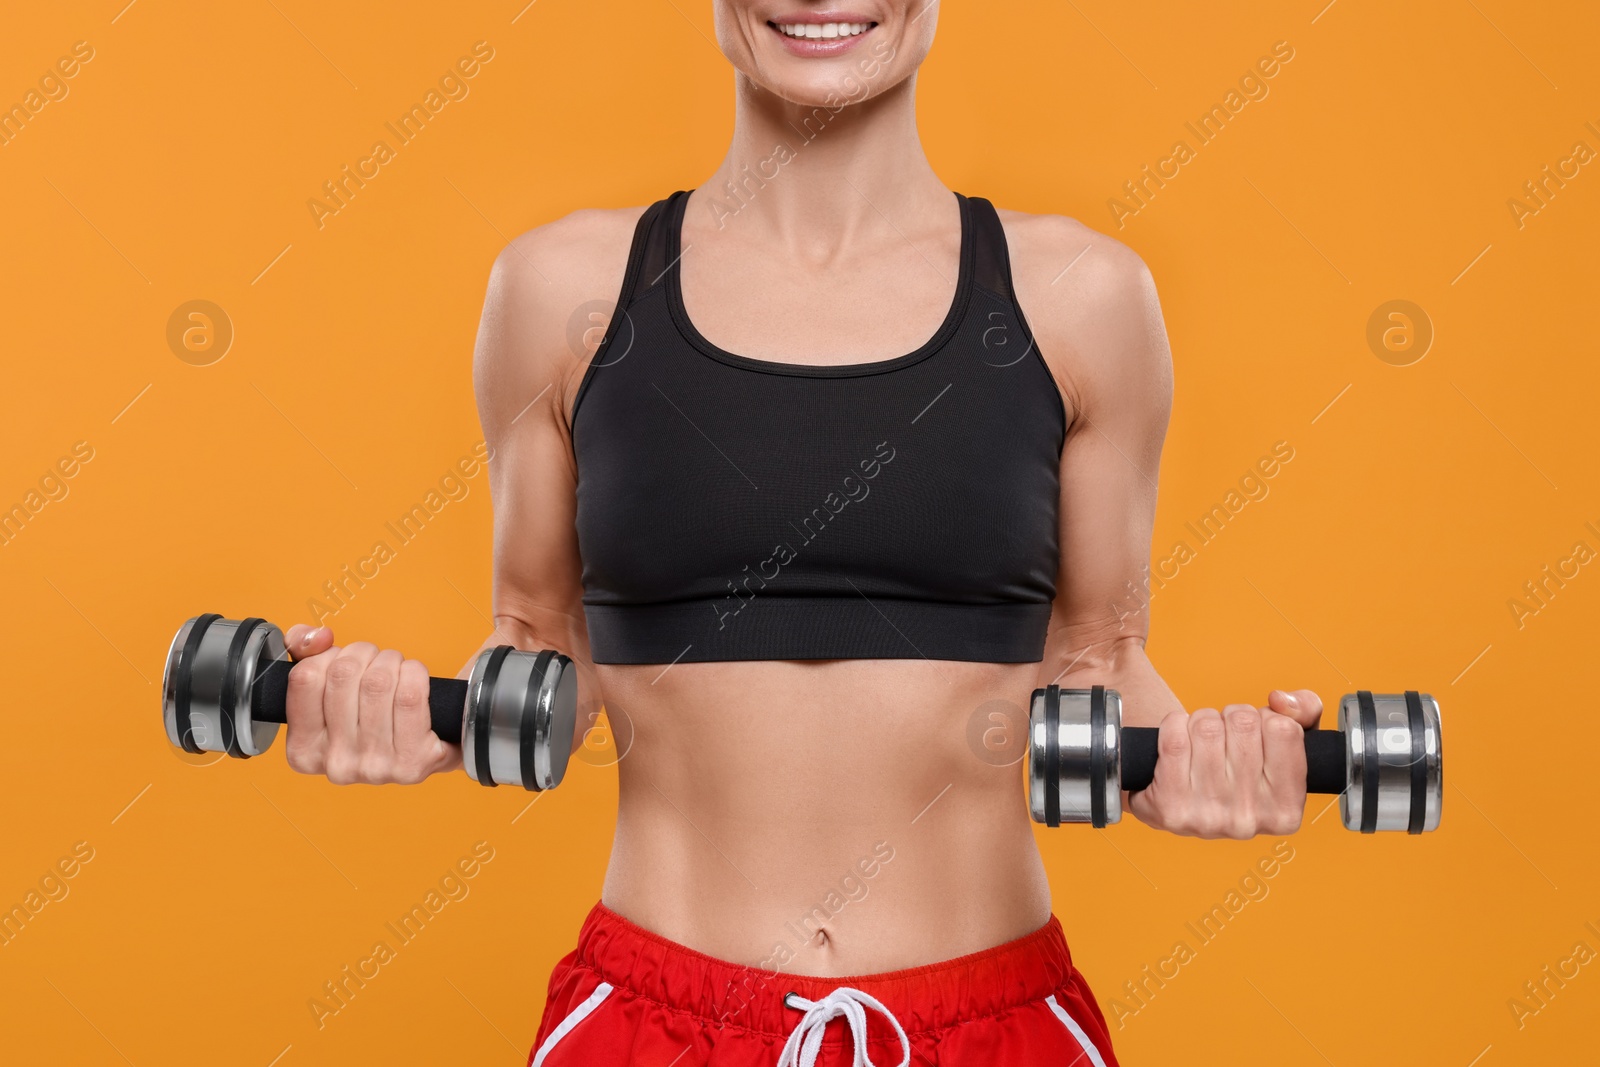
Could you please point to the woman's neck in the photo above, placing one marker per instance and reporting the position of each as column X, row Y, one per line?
column 813, row 177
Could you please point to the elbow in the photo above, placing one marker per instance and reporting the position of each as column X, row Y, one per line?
column 535, row 631
column 1095, row 659
column 515, row 631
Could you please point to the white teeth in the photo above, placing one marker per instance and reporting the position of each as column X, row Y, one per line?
column 815, row 30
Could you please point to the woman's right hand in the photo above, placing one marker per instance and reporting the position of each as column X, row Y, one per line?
column 357, row 714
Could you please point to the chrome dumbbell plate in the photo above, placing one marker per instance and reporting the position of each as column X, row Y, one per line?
column 207, row 684
column 1074, row 759
column 521, row 711
column 1394, row 765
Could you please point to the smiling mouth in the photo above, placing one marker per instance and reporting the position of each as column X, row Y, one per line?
column 816, row 31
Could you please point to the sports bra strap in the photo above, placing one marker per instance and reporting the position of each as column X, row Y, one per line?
column 991, row 267
column 649, row 258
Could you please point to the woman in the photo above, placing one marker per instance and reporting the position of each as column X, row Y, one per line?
column 822, row 496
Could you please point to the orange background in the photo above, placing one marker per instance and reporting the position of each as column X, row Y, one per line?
column 1417, row 504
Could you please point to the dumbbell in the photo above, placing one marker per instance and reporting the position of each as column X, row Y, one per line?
column 1384, row 760
column 226, row 683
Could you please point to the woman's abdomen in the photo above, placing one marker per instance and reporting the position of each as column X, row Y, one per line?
column 825, row 817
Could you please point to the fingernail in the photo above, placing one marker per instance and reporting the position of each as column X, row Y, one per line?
column 1290, row 699
column 310, row 636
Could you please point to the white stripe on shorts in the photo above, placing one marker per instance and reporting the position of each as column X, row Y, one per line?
column 1071, row 1024
column 581, row 1012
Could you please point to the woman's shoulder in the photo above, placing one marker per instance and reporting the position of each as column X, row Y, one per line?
column 1060, row 249
column 1092, row 305
column 577, row 251
column 550, row 294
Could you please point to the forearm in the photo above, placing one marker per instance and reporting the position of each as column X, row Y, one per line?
column 1121, row 664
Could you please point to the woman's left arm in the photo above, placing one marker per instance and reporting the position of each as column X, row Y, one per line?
column 1098, row 325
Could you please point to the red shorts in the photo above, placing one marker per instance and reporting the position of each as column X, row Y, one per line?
column 627, row 996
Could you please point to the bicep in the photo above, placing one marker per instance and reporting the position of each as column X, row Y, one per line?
column 522, row 377
column 1115, row 366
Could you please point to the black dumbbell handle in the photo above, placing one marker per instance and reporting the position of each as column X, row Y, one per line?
column 447, row 700
column 1325, row 759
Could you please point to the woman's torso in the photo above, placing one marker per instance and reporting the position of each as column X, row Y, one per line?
column 823, row 815
column 761, row 802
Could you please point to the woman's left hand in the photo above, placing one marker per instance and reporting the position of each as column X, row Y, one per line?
column 1234, row 774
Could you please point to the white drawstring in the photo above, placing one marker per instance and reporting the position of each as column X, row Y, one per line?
column 806, row 1038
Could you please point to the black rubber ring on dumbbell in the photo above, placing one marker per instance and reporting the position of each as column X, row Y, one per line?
column 530, row 707
column 1052, row 755
column 1097, row 756
column 229, row 697
column 1369, row 762
column 180, row 702
column 482, row 714
column 1419, row 763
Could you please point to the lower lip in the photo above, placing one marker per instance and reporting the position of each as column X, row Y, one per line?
column 819, row 47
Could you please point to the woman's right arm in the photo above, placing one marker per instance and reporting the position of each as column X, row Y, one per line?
column 360, row 714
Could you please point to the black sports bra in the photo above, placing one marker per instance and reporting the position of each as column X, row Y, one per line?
column 732, row 508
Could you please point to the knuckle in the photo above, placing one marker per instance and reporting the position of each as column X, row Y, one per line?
column 307, row 673
column 1243, row 719
column 1280, row 727
column 377, row 682
column 1161, row 816
column 1241, row 818
column 1180, row 816
column 305, row 680
column 343, row 768
column 1172, row 742
column 374, row 769
column 409, row 773
column 1207, row 724
column 411, row 689
column 345, row 671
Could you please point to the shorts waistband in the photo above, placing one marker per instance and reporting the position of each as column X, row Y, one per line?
column 930, row 997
